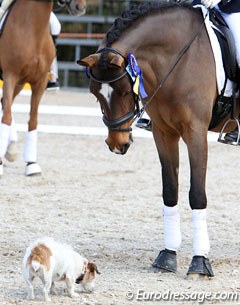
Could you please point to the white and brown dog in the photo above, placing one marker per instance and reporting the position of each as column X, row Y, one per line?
column 52, row 261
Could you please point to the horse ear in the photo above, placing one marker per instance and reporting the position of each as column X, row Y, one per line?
column 117, row 62
column 89, row 61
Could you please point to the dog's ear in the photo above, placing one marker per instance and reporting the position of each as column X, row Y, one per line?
column 92, row 268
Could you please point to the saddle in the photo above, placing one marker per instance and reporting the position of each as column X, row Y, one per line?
column 5, row 15
column 224, row 105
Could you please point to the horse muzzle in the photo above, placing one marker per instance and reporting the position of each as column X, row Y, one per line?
column 76, row 7
column 117, row 144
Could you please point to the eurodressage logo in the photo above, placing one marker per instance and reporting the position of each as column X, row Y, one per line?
column 200, row 297
column 136, row 75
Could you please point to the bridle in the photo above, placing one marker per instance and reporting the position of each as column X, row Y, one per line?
column 114, row 124
column 61, row 3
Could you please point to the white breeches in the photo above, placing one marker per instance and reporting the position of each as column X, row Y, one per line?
column 55, row 25
column 233, row 21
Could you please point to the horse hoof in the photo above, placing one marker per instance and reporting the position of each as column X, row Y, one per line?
column 11, row 153
column 198, row 277
column 166, row 261
column 201, row 266
column 32, row 169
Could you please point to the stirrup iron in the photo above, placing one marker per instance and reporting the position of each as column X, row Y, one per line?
column 221, row 139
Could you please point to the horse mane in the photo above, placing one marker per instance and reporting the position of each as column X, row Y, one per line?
column 136, row 11
column 130, row 16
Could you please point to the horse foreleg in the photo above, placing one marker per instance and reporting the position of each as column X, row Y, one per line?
column 30, row 147
column 197, row 149
column 168, row 151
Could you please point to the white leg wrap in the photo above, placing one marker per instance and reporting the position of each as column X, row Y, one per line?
column 172, row 230
column 201, row 245
column 13, row 132
column 30, row 147
column 4, row 135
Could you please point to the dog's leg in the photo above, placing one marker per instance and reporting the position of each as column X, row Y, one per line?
column 47, row 281
column 30, row 291
column 70, row 287
column 52, row 289
column 29, row 280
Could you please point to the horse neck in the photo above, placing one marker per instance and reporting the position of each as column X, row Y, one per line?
column 157, row 40
column 166, row 32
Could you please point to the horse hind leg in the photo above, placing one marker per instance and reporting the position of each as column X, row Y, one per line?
column 30, row 154
column 11, row 153
column 8, row 96
column 30, row 147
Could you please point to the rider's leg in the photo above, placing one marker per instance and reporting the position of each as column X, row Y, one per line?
column 233, row 21
column 55, row 29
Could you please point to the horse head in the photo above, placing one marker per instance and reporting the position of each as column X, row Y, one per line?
column 75, row 7
column 112, row 86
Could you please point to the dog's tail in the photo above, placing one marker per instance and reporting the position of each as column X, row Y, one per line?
column 35, row 265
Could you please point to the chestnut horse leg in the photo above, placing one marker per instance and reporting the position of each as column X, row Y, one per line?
column 11, row 153
column 196, row 141
column 168, row 150
column 30, row 147
column 8, row 93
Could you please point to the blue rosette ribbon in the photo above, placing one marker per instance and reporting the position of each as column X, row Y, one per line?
column 136, row 74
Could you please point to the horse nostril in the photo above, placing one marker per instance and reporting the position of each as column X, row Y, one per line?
column 80, row 8
column 124, row 148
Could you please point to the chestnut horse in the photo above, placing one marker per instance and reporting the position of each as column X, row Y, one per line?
column 26, row 53
column 168, row 45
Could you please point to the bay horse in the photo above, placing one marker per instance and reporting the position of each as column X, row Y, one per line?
column 166, row 48
column 26, row 53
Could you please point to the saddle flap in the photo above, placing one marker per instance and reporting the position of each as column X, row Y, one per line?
column 226, row 43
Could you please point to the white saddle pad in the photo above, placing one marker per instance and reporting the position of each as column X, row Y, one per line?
column 220, row 73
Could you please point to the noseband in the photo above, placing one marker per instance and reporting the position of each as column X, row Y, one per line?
column 114, row 124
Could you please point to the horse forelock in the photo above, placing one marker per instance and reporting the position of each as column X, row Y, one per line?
column 136, row 11
column 103, row 61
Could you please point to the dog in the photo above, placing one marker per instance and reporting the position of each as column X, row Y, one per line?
column 52, row 261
